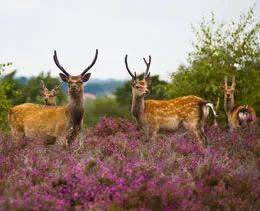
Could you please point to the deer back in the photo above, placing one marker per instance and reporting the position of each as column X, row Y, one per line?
column 56, row 121
column 38, row 119
column 170, row 113
column 241, row 115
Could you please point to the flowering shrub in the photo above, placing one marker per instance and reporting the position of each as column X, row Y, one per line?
column 117, row 168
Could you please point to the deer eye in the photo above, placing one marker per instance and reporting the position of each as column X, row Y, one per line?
column 138, row 87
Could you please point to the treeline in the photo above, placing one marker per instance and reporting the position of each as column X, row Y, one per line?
column 226, row 49
column 219, row 50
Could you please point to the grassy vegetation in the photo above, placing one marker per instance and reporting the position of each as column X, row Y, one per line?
column 117, row 168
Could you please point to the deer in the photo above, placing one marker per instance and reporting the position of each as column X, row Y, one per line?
column 160, row 116
column 238, row 115
column 58, row 122
column 49, row 96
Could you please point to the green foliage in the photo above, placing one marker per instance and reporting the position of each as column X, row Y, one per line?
column 4, row 102
column 104, row 106
column 124, row 93
column 222, row 50
column 30, row 91
column 14, row 91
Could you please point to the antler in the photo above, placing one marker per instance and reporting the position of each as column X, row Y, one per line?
column 233, row 81
column 58, row 64
column 147, row 74
column 57, row 86
column 42, row 84
column 225, row 81
column 91, row 65
column 128, row 70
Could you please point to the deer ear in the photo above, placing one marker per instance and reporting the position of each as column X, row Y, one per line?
column 148, row 81
column 55, row 92
column 41, row 91
column 63, row 77
column 133, row 82
column 42, row 87
column 86, row 77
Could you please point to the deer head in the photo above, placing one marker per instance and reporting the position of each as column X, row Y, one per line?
column 75, row 83
column 49, row 96
column 229, row 90
column 59, row 122
column 228, row 95
column 140, row 88
column 155, row 116
column 238, row 115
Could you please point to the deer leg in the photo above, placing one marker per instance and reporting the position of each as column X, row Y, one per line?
column 17, row 137
column 199, row 138
column 193, row 127
column 73, row 133
column 231, row 127
column 204, row 136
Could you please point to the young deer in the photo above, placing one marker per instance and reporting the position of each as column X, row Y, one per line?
column 238, row 115
column 159, row 116
column 54, row 121
column 49, row 96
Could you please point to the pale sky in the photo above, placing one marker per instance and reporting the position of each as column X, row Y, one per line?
column 32, row 29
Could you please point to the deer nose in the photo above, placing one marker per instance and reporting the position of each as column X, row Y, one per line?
column 147, row 92
column 73, row 88
column 228, row 95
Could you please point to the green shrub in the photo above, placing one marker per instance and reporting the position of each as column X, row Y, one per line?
column 5, row 104
column 104, row 106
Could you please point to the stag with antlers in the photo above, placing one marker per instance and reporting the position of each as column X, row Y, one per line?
column 159, row 116
column 49, row 95
column 238, row 115
column 61, row 122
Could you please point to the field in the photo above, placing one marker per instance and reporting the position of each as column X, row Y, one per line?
column 116, row 168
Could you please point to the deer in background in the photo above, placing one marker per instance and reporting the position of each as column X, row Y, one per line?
column 159, row 116
column 60, row 122
column 49, row 96
column 238, row 115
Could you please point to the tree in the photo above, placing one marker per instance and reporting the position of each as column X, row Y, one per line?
column 30, row 91
column 5, row 104
column 104, row 106
column 222, row 50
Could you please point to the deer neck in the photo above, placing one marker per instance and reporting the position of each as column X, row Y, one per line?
column 53, row 104
column 228, row 104
column 75, row 109
column 138, row 108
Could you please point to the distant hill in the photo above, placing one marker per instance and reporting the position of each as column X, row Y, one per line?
column 22, row 80
column 103, row 87
column 98, row 87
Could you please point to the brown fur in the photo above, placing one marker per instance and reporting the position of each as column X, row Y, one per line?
column 60, row 122
column 160, row 116
column 232, row 110
column 235, row 121
column 49, row 96
column 155, row 116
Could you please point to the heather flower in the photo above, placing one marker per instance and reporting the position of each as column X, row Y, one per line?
column 116, row 167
